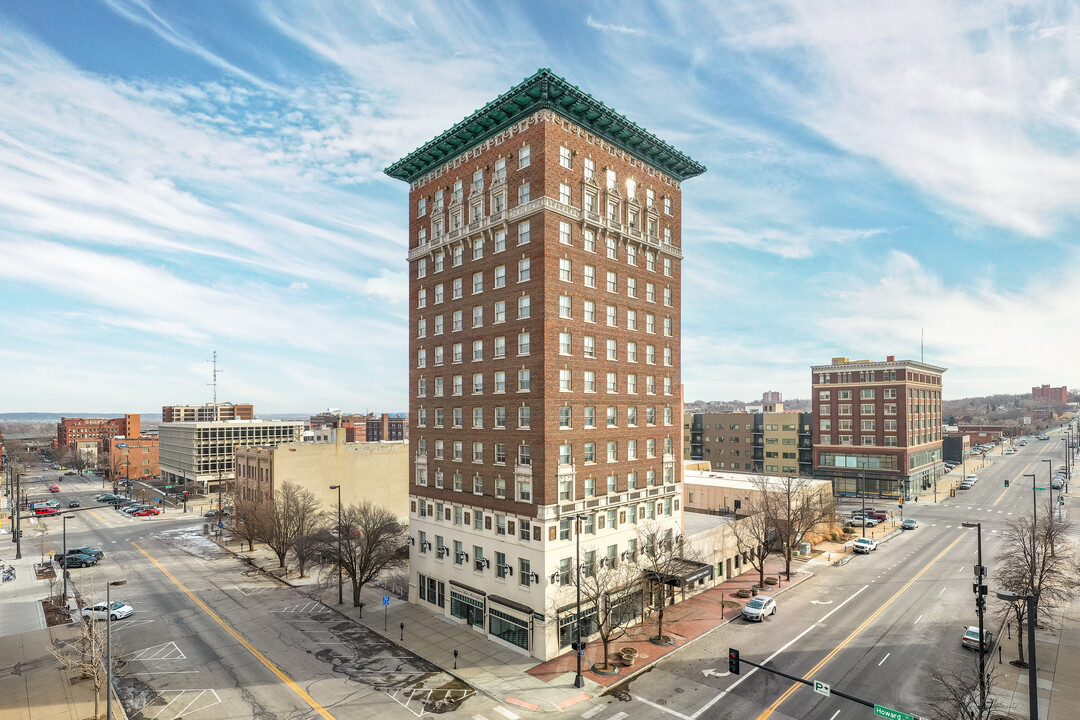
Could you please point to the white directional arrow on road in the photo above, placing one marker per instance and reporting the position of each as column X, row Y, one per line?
column 711, row 672
column 821, row 602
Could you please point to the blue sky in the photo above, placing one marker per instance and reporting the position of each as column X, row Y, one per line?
column 189, row 176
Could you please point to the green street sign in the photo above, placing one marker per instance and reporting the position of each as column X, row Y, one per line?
column 1039, row 488
column 885, row 712
column 167, row 487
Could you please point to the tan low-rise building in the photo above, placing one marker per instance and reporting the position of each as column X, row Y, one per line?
column 375, row 472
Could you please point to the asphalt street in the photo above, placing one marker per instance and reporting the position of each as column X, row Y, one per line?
column 873, row 628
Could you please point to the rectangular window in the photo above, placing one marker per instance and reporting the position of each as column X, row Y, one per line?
column 524, row 381
column 500, row 311
column 500, row 452
column 589, row 240
column 477, row 283
column 500, row 240
column 523, row 269
column 565, row 268
column 564, row 157
column 477, row 317
column 590, row 346
column 590, row 381
column 523, row 157
column 523, row 307
column 523, row 343
column 564, row 417
column 500, row 381
column 523, row 233
column 590, row 276
column 524, row 193
column 612, row 282
column 564, row 198
column 589, row 311
column 589, row 455
column 478, row 383
column 564, row 380
column 611, row 319
column 589, row 415
column 500, row 417
column 564, row 231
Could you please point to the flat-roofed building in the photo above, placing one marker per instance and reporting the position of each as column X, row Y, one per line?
column 209, row 412
column 197, row 455
column 877, row 426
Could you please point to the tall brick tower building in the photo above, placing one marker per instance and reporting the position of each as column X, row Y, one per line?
column 544, row 266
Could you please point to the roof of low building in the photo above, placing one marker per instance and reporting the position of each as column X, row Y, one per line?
column 545, row 90
column 743, row 481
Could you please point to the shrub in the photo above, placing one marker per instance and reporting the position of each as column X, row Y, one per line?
column 834, row 537
column 848, row 530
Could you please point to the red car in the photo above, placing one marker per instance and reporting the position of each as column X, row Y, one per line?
column 46, row 511
column 147, row 511
column 54, row 488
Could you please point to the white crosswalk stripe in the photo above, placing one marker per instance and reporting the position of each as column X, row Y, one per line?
column 506, row 713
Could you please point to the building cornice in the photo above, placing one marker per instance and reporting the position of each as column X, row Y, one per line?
column 545, row 90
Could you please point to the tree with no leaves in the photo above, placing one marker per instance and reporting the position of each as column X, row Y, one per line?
column 954, row 693
column 245, row 520
column 613, row 587
column 1052, row 578
column 756, row 532
column 799, row 508
column 371, row 539
column 293, row 513
column 85, row 655
column 661, row 557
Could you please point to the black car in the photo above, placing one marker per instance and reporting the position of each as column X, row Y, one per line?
column 79, row 560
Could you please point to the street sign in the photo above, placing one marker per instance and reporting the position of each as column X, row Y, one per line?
column 885, row 712
column 385, row 599
column 168, row 487
column 821, row 688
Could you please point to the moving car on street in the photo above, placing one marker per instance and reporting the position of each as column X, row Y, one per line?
column 909, row 524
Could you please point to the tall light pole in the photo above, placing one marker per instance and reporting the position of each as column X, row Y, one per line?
column 1050, row 479
column 340, row 590
column 980, row 606
column 63, row 565
column 18, row 515
column 579, row 681
column 1034, row 515
column 1033, row 695
column 108, row 647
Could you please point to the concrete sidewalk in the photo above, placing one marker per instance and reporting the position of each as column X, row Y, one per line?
column 33, row 686
column 517, row 679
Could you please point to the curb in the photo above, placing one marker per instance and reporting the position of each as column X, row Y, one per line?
column 617, row 687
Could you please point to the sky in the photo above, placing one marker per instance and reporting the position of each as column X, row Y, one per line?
column 184, row 177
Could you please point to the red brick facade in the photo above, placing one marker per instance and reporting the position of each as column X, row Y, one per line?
column 70, row 431
column 545, row 134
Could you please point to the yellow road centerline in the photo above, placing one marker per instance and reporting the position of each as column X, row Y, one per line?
column 240, row 639
column 809, row 675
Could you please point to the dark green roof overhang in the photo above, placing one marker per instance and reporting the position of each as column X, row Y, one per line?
column 547, row 90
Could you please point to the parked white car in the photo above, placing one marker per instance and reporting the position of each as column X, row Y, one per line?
column 101, row 611
column 758, row 608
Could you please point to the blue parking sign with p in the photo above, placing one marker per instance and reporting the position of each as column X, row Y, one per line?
column 385, row 599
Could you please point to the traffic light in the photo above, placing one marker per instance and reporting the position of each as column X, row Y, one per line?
column 1006, row 482
column 1061, row 500
column 733, row 661
column 901, row 501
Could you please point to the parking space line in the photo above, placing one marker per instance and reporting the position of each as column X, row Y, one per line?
column 240, row 639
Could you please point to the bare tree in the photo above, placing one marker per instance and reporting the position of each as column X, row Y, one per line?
column 371, row 540
column 954, row 693
column 1047, row 569
column 291, row 514
column 663, row 559
column 612, row 587
column 756, row 532
column 246, row 520
column 799, row 508
column 85, row 654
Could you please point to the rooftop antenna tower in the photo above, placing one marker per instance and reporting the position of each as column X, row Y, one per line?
column 214, row 385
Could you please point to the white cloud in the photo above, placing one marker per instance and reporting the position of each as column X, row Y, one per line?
column 611, row 28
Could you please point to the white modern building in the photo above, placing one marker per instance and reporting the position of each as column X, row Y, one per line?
column 197, row 455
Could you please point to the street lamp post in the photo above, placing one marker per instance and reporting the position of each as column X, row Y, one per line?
column 340, row 590
column 18, row 515
column 579, row 681
column 1050, row 478
column 1034, row 515
column 108, row 647
column 63, row 565
column 980, row 606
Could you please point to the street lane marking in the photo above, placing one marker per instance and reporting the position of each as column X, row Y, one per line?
column 834, row 715
column 813, row 671
column 240, row 639
column 589, row 713
column 884, row 659
column 506, row 713
column 917, row 620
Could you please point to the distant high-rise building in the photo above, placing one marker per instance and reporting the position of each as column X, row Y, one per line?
column 206, row 413
column 544, row 265
column 1053, row 395
column 877, row 425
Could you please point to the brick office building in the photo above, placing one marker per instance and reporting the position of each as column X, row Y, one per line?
column 877, row 426
column 544, row 265
column 90, row 436
column 1052, row 395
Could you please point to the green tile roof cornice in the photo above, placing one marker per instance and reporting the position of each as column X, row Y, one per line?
column 545, row 90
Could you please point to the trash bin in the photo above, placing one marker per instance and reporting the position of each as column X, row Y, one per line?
column 804, row 548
